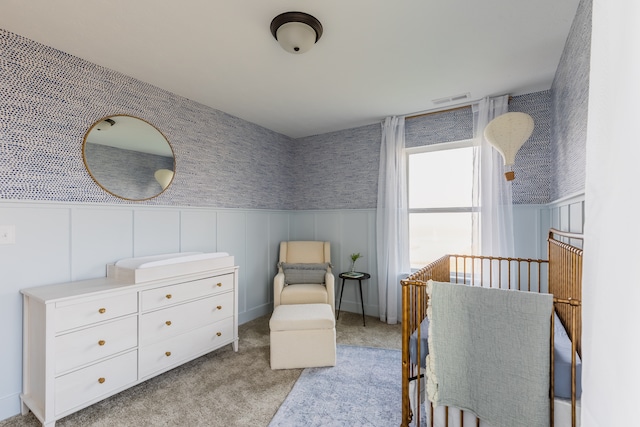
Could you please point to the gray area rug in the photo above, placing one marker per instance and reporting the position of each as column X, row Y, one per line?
column 363, row 389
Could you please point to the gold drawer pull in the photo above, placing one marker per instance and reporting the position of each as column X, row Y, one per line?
column 168, row 296
column 219, row 334
column 219, row 284
column 101, row 380
column 101, row 342
column 102, row 311
column 168, row 353
column 168, row 322
column 219, row 307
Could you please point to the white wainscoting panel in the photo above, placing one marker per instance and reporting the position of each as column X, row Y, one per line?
column 568, row 214
column 356, row 238
column 563, row 216
column 532, row 223
column 372, row 265
column 96, row 235
column 198, row 231
column 41, row 251
column 256, row 267
column 529, row 231
column 232, row 238
column 302, row 226
column 58, row 242
column 278, row 232
column 156, row 231
column 39, row 256
column 576, row 217
column 328, row 227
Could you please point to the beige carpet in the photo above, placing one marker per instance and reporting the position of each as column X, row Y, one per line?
column 222, row 388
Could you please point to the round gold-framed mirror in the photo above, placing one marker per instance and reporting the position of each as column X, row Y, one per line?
column 128, row 157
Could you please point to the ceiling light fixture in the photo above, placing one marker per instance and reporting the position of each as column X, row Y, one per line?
column 507, row 133
column 296, row 32
column 105, row 125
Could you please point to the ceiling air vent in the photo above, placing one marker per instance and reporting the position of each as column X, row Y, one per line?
column 454, row 98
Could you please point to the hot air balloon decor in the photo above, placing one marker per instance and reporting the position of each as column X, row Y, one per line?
column 507, row 133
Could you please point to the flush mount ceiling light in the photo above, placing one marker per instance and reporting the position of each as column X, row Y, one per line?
column 507, row 133
column 105, row 125
column 296, row 32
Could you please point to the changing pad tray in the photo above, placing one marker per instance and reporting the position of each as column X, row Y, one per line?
column 148, row 268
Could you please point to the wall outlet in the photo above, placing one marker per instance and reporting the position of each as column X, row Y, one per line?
column 7, row 234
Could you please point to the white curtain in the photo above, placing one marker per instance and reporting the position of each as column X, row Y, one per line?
column 392, row 219
column 493, row 236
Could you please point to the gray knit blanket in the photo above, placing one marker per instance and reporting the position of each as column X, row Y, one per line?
column 489, row 352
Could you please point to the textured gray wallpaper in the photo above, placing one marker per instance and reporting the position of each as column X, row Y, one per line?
column 455, row 125
column 337, row 170
column 340, row 169
column 533, row 162
column 48, row 99
column 570, row 92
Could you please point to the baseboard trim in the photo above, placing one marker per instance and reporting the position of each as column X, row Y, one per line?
column 254, row 313
column 9, row 406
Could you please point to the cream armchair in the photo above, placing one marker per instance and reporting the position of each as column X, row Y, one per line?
column 304, row 274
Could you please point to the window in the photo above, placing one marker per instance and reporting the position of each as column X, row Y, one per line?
column 441, row 216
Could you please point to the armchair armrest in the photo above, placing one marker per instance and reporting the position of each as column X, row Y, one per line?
column 278, row 286
column 329, row 281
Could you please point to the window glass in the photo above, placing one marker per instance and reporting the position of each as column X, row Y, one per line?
column 433, row 235
column 441, row 179
column 441, row 217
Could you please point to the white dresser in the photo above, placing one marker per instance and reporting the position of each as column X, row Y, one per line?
column 87, row 340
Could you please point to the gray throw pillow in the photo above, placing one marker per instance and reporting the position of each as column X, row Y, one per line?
column 304, row 273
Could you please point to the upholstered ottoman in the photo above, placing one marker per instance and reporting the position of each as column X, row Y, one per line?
column 302, row 336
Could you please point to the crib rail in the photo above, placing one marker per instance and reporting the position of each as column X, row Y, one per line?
column 565, row 283
column 565, row 280
column 573, row 308
column 534, row 275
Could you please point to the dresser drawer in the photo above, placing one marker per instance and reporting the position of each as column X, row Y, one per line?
column 88, row 311
column 97, row 380
column 94, row 343
column 181, row 292
column 171, row 321
column 174, row 351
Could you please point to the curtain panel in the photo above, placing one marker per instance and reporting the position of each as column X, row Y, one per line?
column 392, row 219
column 492, row 196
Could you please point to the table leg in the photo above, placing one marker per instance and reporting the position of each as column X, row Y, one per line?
column 361, row 302
column 340, row 303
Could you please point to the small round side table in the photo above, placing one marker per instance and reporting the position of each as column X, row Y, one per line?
column 355, row 275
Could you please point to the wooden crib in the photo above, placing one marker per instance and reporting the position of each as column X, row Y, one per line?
column 561, row 276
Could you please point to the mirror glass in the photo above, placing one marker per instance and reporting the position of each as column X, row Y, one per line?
column 128, row 157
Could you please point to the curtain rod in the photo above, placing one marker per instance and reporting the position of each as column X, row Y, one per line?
column 438, row 111
column 447, row 110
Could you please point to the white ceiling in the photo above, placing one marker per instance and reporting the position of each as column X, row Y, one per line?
column 129, row 133
column 376, row 58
